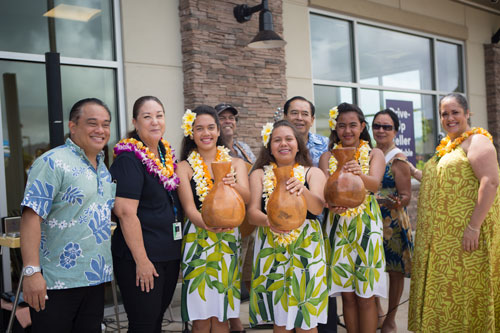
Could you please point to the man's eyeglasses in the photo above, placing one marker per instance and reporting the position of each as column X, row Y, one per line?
column 386, row 128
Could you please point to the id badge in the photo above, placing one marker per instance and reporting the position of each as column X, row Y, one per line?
column 177, row 230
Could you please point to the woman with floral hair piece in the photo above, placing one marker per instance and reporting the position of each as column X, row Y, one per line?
column 289, row 275
column 210, row 262
column 146, row 250
column 355, row 248
column 455, row 277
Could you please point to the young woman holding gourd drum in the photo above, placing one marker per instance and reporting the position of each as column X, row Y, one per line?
column 354, row 235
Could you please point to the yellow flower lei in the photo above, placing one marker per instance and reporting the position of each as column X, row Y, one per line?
column 363, row 157
column 268, row 185
column 201, row 174
column 446, row 145
column 187, row 122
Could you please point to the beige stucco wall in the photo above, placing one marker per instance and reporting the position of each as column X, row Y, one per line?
column 296, row 32
column 153, row 60
column 439, row 17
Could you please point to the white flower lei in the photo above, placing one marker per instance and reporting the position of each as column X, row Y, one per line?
column 201, row 174
column 364, row 160
column 268, row 185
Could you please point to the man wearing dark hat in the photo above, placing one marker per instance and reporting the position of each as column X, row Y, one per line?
column 228, row 117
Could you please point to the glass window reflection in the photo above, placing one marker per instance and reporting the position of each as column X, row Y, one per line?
column 325, row 98
column 449, row 67
column 395, row 59
column 25, row 124
column 331, row 49
column 23, row 28
column 372, row 101
column 91, row 82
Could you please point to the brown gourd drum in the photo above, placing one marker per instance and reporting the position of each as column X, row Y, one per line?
column 223, row 206
column 285, row 211
column 344, row 189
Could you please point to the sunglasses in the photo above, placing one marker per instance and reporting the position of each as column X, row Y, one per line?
column 376, row 126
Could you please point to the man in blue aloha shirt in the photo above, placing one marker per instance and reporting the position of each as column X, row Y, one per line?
column 300, row 112
column 66, row 227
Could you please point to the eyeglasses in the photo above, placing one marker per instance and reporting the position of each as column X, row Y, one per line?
column 387, row 128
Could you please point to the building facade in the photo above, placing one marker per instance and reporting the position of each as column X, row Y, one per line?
column 191, row 52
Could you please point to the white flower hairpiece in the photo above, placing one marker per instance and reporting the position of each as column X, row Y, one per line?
column 333, row 113
column 187, row 122
column 266, row 133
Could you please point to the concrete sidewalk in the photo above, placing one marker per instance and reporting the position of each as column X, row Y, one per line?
column 172, row 320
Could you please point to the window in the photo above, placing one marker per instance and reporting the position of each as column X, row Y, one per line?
column 90, row 67
column 360, row 62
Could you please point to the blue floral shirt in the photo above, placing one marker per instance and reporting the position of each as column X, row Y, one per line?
column 75, row 204
column 317, row 145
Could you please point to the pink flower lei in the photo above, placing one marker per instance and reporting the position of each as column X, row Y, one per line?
column 165, row 172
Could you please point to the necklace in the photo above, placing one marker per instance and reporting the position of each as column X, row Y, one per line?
column 201, row 174
column 363, row 158
column 164, row 169
column 446, row 145
column 268, row 185
column 393, row 145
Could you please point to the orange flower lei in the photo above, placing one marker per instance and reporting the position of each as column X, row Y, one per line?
column 445, row 146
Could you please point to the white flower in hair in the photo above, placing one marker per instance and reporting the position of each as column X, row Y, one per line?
column 266, row 133
column 187, row 122
column 333, row 113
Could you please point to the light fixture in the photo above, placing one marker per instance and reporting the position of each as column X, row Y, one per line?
column 75, row 13
column 266, row 38
column 496, row 37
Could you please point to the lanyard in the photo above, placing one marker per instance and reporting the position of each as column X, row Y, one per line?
column 172, row 201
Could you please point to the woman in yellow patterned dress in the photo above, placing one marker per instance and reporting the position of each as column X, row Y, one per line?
column 210, row 264
column 455, row 284
column 289, row 275
column 355, row 246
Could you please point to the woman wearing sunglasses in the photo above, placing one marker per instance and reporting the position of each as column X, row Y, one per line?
column 393, row 196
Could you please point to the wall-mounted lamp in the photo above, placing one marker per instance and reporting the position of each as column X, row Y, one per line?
column 496, row 37
column 266, row 38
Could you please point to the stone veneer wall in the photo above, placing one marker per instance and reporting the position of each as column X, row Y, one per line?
column 492, row 68
column 219, row 67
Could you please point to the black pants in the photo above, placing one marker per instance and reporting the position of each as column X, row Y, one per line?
column 70, row 310
column 331, row 324
column 145, row 310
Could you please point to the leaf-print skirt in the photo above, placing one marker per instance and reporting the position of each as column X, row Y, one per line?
column 355, row 252
column 210, row 274
column 289, row 283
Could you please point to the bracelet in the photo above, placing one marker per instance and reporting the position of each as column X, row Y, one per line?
column 471, row 228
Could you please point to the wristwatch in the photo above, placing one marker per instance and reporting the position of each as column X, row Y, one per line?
column 30, row 270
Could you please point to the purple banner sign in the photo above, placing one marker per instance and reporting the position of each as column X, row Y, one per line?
column 405, row 138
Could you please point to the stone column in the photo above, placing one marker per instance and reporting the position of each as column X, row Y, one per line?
column 492, row 67
column 219, row 67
